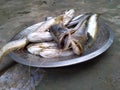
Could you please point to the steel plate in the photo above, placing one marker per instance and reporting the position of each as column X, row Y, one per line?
column 103, row 42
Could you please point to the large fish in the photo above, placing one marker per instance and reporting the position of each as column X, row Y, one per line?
column 48, row 50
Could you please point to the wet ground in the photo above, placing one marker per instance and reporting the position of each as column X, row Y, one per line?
column 101, row 73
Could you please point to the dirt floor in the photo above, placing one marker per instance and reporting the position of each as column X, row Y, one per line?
column 101, row 73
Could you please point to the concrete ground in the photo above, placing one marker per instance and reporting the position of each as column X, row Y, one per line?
column 101, row 73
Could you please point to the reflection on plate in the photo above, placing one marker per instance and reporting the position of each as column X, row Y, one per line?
column 103, row 42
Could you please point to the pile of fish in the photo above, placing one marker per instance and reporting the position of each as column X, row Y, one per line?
column 59, row 36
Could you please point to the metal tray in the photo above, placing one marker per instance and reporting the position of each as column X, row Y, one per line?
column 103, row 42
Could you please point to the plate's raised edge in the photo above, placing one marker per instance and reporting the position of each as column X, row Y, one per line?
column 71, row 61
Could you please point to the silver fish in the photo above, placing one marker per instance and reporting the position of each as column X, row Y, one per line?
column 78, row 20
column 38, row 47
column 48, row 50
column 39, row 37
column 13, row 45
column 52, row 53
column 92, row 29
column 61, row 19
column 93, row 26
column 42, row 32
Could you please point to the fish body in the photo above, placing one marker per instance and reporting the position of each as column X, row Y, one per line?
column 93, row 26
column 61, row 19
column 13, row 45
column 78, row 20
column 47, row 24
column 42, row 32
column 38, row 47
column 92, row 29
column 52, row 53
column 39, row 37
column 48, row 50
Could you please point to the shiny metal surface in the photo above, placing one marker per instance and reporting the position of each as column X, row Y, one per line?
column 103, row 42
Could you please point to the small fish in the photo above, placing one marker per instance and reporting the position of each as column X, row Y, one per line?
column 37, row 47
column 61, row 19
column 93, row 26
column 78, row 20
column 52, row 53
column 47, row 24
column 13, row 45
column 39, row 37
column 42, row 32
column 92, row 29
column 48, row 50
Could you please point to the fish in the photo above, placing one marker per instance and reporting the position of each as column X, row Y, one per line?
column 37, row 47
column 48, row 50
column 61, row 33
column 47, row 24
column 78, row 20
column 42, row 32
column 39, row 37
column 77, row 40
column 92, row 29
column 13, row 45
column 93, row 26
column 81, row 18
column 54, row 52
column 61, row 19
column 72, row 30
